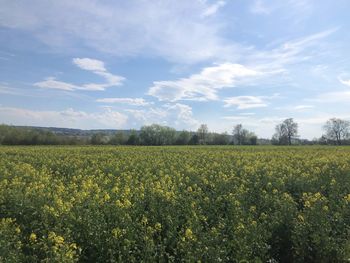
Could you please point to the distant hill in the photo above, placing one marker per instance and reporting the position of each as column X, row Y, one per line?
column 75, row 132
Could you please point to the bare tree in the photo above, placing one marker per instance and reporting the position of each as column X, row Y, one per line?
column 202, row 133
column 291, row 129
column 286, row 132
column 337, row 130
column 238, row 134
column 279, row 136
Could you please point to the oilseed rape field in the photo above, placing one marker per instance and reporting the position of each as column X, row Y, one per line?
column 174, row 204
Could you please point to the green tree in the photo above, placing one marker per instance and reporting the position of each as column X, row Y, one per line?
column 220, row 139
column 183, row 138
column 133, row 139
column 157, row 135
column 97, row 139
column 242, row 136
column 118, row 139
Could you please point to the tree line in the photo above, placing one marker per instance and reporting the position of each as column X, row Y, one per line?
column 336, row 132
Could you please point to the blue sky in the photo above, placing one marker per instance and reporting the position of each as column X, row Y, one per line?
column 123, row 64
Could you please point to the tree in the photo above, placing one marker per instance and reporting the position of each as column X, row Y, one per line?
column 221, row 139
column 133, row 138
column 157, row 135
column 97, row 138
column 285, row 132
column 291, row 129
column 242, row 136
column 202, row 133
column 183, row 138
column 117, row 139
column 253, row 139
column 279, row 136
column 337, row 130
column 238, row 135
column 194, row 140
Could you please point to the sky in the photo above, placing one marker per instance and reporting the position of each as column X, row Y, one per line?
column 113, row 64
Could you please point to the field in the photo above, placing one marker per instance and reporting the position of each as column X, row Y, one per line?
column 174, row 204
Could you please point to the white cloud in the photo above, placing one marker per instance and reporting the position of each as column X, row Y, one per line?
column 213, row 9
column 9, row 91
column 256, row 65
column 345, row 82
column 68, row 118
column 183, row 115
column 90, row 64
column 125, row 28
column 234, row 118
column 245, row 102
column 204, row 85
column 260, row 8
column 93, row 65
column 179, row 116
column 247, row 113
column 52, row 83
column 333, row 97
column 297, row 9
column 129, row 101
column 303, row 107
column 290, row 52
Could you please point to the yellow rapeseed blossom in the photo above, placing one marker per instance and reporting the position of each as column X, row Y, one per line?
column 158, row 226
column 189, row 234
column 347, row 198
column 301, row 218
column 32, row 237
column 127, row 203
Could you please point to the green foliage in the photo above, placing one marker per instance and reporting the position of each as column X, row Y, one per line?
column 183, row 138
column 157, row 135
column 10, row 242
column 242, row 136
column 174, row 204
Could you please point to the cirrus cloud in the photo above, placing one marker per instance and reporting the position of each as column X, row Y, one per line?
column 245, row 102
column 129, row 101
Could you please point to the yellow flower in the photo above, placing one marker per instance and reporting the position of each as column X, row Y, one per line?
column 252, row 208
column 106, row 197
column 118, row 203
column 127, row 203
column 347, row 198
column 117, row 232
column 73, row 246
column 301, row 218
column 189, row 234
column 158, row 226
column 144, row 220
column 59, row 240
column 32, row 237
column 18, row 230
column 240, row 227
column 318, row 195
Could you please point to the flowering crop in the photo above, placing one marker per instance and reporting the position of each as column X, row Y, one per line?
column 191, row 204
